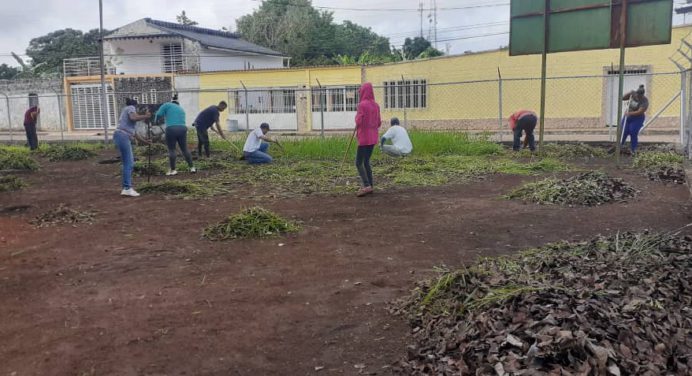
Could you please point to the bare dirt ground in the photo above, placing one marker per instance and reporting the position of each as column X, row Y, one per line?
column 140, row 293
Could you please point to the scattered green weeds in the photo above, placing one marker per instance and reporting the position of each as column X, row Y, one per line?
column 567, row 151
column 591, row 188
column 69, row 152
column 11, row 183
column 151, row 150
column 251, row 223
column 663, row 166
column 15, row 158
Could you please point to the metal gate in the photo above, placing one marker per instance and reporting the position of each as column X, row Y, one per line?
column 86, row 107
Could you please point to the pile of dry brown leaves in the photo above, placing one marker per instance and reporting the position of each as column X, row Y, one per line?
column 63, row 215
column 613, row 306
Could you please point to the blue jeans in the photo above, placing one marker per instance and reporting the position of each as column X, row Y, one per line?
column 633, row 124
column 122, row 142
column 259, row 156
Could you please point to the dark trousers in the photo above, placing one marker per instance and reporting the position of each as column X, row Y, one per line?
column 526, row 124
column 203, row 141
column 31, row 136
column 363, row 155
column 177, row 135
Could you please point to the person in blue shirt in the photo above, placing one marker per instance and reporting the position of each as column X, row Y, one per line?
column 123, row 137
column 176, row 133
column 205, row 120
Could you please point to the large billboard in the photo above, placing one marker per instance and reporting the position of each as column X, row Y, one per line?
column 587, row 24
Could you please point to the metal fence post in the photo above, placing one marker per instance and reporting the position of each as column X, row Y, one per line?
column 59, row 97
column 406, row 97
column 247, row 109
column 9, row 118
column 683, row 96
column 323, row 98
column 499, row 102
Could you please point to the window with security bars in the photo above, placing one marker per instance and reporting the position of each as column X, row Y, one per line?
column 406, row 94
column 272, row 101
column 340, row 99
column 171, row 57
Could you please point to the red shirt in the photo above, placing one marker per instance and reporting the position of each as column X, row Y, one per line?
column 518, row 115
column 28, row 119
column 368, row 117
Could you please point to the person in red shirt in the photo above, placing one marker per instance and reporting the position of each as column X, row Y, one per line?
column 523, row 121
column 368, row 123
column 30, row 119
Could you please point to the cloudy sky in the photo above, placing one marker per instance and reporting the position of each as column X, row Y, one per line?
column 459, row 22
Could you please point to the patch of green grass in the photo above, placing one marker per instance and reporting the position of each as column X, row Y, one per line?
column 156, row 168
column 12, row 158
column 151, row 150
column 11, row 183
column 251, row 223
column 565, row 151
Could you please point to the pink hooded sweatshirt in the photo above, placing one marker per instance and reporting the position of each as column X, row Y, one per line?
column 368, row 117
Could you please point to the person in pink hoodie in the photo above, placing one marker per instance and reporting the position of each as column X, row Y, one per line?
column 367, row 129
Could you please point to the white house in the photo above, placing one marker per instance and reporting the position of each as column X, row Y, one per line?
column 149, row 60
column 150, row 46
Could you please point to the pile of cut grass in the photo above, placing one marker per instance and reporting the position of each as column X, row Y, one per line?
column 558, row 310
column 588, row 189
column 254, row 222
column 11, row 183
column 13, row 158
column 63, row 215
column 143, row 168
column 566, row 151
column 186, row 189
column 665, row 166
column 69, row 152
column 151, row 150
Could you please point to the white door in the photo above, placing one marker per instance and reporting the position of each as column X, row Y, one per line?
column 632, row 81
column 86, row 107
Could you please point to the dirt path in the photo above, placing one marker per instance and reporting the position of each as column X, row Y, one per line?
column 139, row 293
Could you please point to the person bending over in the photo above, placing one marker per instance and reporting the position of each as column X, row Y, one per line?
column 401, row 144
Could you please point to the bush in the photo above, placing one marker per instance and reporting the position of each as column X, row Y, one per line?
column 17, row 160
column 70, row 152
column 11, row 183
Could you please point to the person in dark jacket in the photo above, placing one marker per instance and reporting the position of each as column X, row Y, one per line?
column 205, row 120
column 635, row 116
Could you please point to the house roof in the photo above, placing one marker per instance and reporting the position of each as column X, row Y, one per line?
column 224, row 40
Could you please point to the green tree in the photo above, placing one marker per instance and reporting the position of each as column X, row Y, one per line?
column 184, row 20
column 309, row 36
column 48, row 51
column 418, row 48
column 7, row 72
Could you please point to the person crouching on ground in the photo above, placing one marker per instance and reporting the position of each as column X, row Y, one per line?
column 368, row 123
column 401, row 144
column 205, row 120
column 523, row 121
column 123, row 137
column 176, row 133
column 635, row 116
column 255, row 151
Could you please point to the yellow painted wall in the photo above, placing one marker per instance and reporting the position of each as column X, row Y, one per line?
column 214, row 86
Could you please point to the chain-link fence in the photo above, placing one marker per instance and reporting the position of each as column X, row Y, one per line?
column 576, row 104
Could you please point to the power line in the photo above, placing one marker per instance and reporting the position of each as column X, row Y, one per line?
column 383, row 9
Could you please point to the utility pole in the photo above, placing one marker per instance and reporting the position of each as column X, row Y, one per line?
column 420, row 10
column 435, row 20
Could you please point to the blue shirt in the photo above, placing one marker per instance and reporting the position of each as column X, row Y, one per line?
column 174, row 114
column 126, row 124
column 207, row 118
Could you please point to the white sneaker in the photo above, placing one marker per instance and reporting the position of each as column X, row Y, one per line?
column 129, row 192
column 171, row 173
column 193, row 170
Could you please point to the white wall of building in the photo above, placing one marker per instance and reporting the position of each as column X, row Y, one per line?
column 51, row 107
column 214, row 61
column 187, row 87
column 137, row 56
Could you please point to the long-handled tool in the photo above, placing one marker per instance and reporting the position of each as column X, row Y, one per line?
column 148, row 152
column 348, row 149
